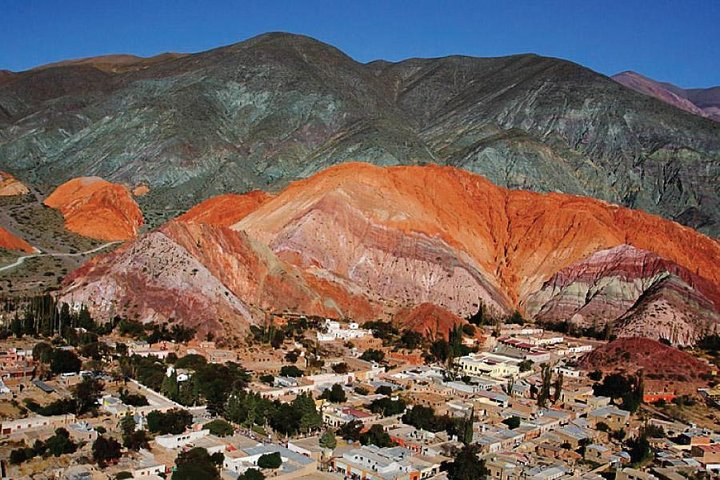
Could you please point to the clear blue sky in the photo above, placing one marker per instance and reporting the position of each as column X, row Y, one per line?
column 677, row 41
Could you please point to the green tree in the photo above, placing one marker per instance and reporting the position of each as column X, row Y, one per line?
column 60, row 443
column 335, row 394
column 351, row 431
column 173, row 421
column 328, row 440
column 639, row 448
column 341, row 368
column 219, row 427
column 191, row 361
column 376, row 435
column 387, row 407
column 197, row 464
column 558, row 387
column 546, row 378
column 86, row 394
column 512, row 422
column 127, row 425
column 466, row 465
column 106, row 450
column 65, row 361
column 440, row 350
column 373, row 355
column 629, row 390
column 411, row 339
column 310, row 418
column 467, row 432
column 270, row 460
column 384, row 390
column 252, row 474
column 516, row 318
column 290, row 371
column 43, row 352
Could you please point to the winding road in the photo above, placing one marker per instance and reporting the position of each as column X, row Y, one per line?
column 22, row 259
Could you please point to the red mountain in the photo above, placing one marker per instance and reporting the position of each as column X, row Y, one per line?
column 363, row 241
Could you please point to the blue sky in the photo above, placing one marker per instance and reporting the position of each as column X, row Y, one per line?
column 677, row 41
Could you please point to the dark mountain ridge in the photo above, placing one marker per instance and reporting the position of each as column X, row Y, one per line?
column 278, row 107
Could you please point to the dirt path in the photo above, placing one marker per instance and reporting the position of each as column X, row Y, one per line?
column 22, row 259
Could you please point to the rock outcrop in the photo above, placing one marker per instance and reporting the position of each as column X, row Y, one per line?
column 8, row 241
column 672, row 310
column 225, row 210
column 704, row 102
column 429, row 320
column 10, row 186
column 665, row 369
column 97, row 209
column 279, row 107
column 624, row 282
column 364, row 242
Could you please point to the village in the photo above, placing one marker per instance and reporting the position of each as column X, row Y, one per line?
column 329, row 399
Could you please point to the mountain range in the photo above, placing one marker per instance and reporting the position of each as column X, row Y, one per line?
column 278, row 175
column 279, row 107
column 365, row 242
column 699, row 101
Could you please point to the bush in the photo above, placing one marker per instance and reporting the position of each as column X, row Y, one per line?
column 373, row 355
column 384, row 390
column 512, row 422
column 252, row 474
column 220, row 427
column 340, row 368
column 270, row 460
column 197, row 464
column 525, row 365
column 290, row 371
column 174, row 421
column 328, row 440
column 192, row 362
column 65, row 361
column 387, row 407
column 132, row 399
column 106, row 450
column 335, row 394
column 376, row 435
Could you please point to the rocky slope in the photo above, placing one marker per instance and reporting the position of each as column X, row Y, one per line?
column 363, row 241
column 665, row 369
column 10, row 186
column 671, row 309
column 429, row 320
column 278, row 107
column 225, row 210
column 8, row 241
column 704, row 102
column 97, row 209
column 623, row 283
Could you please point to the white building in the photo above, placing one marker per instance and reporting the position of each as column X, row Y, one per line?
column 334, row 331
column 374, row 463
column 177, row 441
column 489, row 364
column 34, row 422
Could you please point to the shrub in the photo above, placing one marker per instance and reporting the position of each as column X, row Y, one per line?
column 220, row 427
column 290, row 371
column 373, row 355
column 270, row 460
